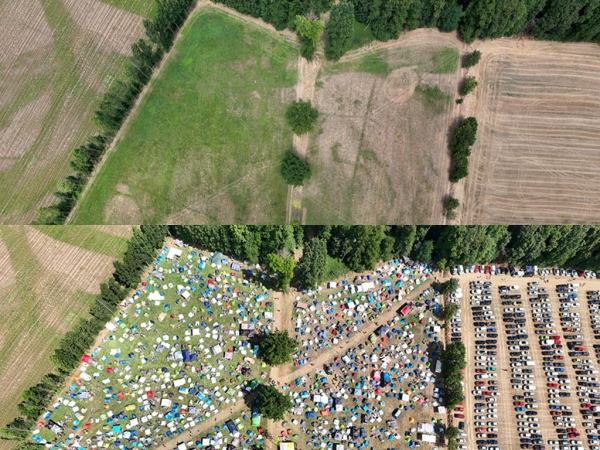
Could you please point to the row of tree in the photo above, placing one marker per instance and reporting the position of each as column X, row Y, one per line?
column 116, row 104
column 454, row 361
column 330, row 251
column 141, row 252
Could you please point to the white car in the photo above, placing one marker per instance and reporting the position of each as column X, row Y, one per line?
column 514, row 287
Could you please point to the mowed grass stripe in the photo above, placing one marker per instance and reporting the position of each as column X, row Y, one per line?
column 144, row 8
column 88, row 238
column 210, row 133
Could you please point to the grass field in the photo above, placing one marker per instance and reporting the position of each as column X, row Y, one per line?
column 380, row 154
column 59, row 58
column 47, row 285
column 205, row 143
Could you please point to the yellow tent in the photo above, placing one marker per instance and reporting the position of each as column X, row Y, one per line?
column 287, row 446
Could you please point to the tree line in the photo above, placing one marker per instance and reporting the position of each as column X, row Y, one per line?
column 454, row 361
column 142, row 249
column 116, row 104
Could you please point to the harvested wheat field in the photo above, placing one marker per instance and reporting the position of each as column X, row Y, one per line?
column 380, row 153
column 47, row 282
column 60, row 57
column 537, row 156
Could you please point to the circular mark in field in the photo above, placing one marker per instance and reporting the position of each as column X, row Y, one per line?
column 122, row 210
column 400, row 84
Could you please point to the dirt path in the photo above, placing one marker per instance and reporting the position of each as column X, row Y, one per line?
column 305, row 90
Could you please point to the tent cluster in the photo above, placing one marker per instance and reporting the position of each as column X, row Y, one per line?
column 337, row 312
column 176, row 354
column 359, row 397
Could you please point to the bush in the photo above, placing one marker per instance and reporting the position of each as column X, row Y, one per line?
column 301, row 116
column 451, row 204
column 293, row 170
column 463, row 137
column 471, row 59
column 449, row 311
column 284, row 268
column 339, row 30
column 309, row 32
column 468, row 85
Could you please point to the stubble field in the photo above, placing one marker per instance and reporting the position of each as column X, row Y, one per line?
column 59, row 58
column 537, row 154
column 47, row 283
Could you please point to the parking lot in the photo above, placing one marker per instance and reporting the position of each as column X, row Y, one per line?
column 532, row 370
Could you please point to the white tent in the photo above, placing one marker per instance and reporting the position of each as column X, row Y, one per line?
column 155, row 296
column 216, row 349
column 185, row 294
column 173, row 253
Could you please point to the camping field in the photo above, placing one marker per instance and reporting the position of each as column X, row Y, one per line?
column 206, row 141
column 48, row 282
column 59, row 58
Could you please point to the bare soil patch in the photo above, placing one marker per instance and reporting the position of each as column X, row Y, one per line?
column 18, row 138
column 114, row 28
column 400, row 84
column 24, row 28
column 78, row 268
column 121, row 210
column 7, row 271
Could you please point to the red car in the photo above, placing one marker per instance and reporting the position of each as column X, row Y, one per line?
column 518, row 403
column 480, row 371
column 586, row 405
column 487, row 270
column 552, row 385
column 479, row 383
column 459, row 416
column 459, row 409
column 571, row 430
column 486, row 393
column 558, row 357
column 480, row 430
column 476, row 269
column 556, row 413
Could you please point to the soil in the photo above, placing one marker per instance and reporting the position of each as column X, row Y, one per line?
column 121, row 210
column 124, row 231
column 400, row 84
column 7, row 274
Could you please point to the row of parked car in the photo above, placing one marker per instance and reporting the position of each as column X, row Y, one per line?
column 485, row 389
column 522, row 377
column 527, row 271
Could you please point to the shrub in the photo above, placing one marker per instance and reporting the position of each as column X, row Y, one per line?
column 301, row 116
column 463, row 137
column 451, row 204
column 293, row 170
column 468, row 85
column 459, row 101
column 471, row 59
column 309, row 32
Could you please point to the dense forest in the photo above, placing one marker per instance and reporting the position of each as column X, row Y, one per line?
column 561, row 20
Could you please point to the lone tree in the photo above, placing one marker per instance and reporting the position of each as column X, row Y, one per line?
column 468, row 85
column 309, row 32
column 449, row 286
column 471, row 59
column 284, row 267
column 272, row 403
column 301, row 116
column 449, row 311
column 293, row 170
column 339, row 30
column 277, row 348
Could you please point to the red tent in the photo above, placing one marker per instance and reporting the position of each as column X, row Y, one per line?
column 406, row 310
column 109, row 370
column 88, row 426
column 86, row 358
column 120, row 395
column 150, row 394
